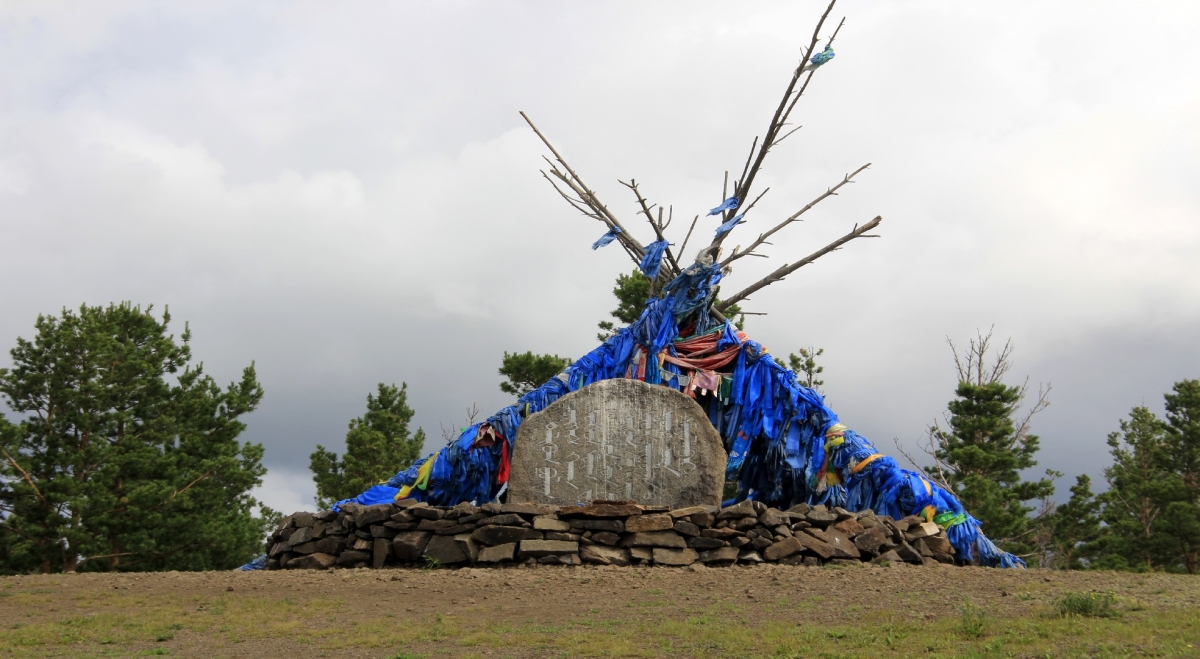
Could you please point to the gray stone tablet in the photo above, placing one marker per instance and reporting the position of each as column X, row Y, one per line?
column 619, row 440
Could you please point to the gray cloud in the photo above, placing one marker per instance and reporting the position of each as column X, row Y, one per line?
column 345, row 193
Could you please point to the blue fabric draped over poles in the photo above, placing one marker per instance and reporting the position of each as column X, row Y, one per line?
column 652, row 261
column 785, row 445
column 607, row 238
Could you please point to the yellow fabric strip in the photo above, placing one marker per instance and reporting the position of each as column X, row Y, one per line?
column 422, row 478
column 866, row 461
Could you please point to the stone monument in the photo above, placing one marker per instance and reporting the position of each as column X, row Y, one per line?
column 619, row 440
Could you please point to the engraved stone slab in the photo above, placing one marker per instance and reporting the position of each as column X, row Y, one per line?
column 619, row 440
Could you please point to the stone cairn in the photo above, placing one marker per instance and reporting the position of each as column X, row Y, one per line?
column 408, row 533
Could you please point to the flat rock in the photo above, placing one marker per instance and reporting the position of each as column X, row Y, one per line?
column 738, row 510
column 468, row 545
column 842, row 545
column 501, row 535
column 445, row 550
column 686, row 528
column 667, row 539
column 380, row 552
column 924, row 530
column 606, row 538
column 690, row 510
column 907, row 554
column 497, row 554
column 772, row 517
column 664, row 556
column 814, row 545
column 510, row 519
column 720, row 555
column 785, row 547
column 889, row 556
column 312, row 562
column 939, row 544
column 521, row 508
column 369, row 515
column 869, row 541
column 409, row 545
column 619, row 439
column 705, row 543
column 820, row 518
column 749, row 556
column 548, row 523
column 721, row 533
column 641, row 553
column 538, row 548
column 610, row 525
column 604, row 555
column 351, row 558
column 850, row 527
column 643, row 523
column 601, row 510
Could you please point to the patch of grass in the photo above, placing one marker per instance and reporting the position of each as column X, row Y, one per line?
column 405, row 655
column 1088, row 605
column 973, row 620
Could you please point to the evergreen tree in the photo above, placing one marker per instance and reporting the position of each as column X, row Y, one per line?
column 127, row 458
column 1074, row 527
column 527, row 371
column 1139, row 489
column 377, row 447
column 804, row 366
column 982, row 454
column 1182, row 443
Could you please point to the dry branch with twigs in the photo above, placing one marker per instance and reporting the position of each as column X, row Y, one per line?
column 567, row 182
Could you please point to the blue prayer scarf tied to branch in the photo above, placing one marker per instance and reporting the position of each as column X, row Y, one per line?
column 729, row 204
column 728, row 226
column 607, row 238
column 785, row 445
column 652, row 261
column 822, row 57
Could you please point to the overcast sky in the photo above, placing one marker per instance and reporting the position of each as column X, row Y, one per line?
column 345, row 194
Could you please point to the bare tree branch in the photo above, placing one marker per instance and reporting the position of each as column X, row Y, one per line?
column 575, row 182
column 656, row 225
column 779, row 118
column 829, row 192
column 25, row 475
column 785, row 270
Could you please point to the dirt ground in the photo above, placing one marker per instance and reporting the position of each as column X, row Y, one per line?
column 558, row 611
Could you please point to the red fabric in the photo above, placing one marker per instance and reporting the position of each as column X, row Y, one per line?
column 709, row 363
column 502, row 474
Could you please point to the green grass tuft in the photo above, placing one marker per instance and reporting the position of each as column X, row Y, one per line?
column 1088, row 605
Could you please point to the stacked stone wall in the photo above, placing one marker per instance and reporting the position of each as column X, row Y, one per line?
column 607, row 533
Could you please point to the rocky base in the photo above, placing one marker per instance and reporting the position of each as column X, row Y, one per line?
column 606, row 533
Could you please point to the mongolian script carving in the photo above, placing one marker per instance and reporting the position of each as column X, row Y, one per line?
column 619, row 439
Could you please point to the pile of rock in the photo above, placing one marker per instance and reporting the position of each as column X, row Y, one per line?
column 607, row 533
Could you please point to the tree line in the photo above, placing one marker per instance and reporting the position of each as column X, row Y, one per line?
column 126, row 456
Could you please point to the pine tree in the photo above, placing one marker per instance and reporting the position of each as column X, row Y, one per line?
column 982, row 454
column 804, row 366
column 378, row 446
column 1182, row 443
column 1139, row 490
column 1074, row 527
column 527, row 371
column 127, row 458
